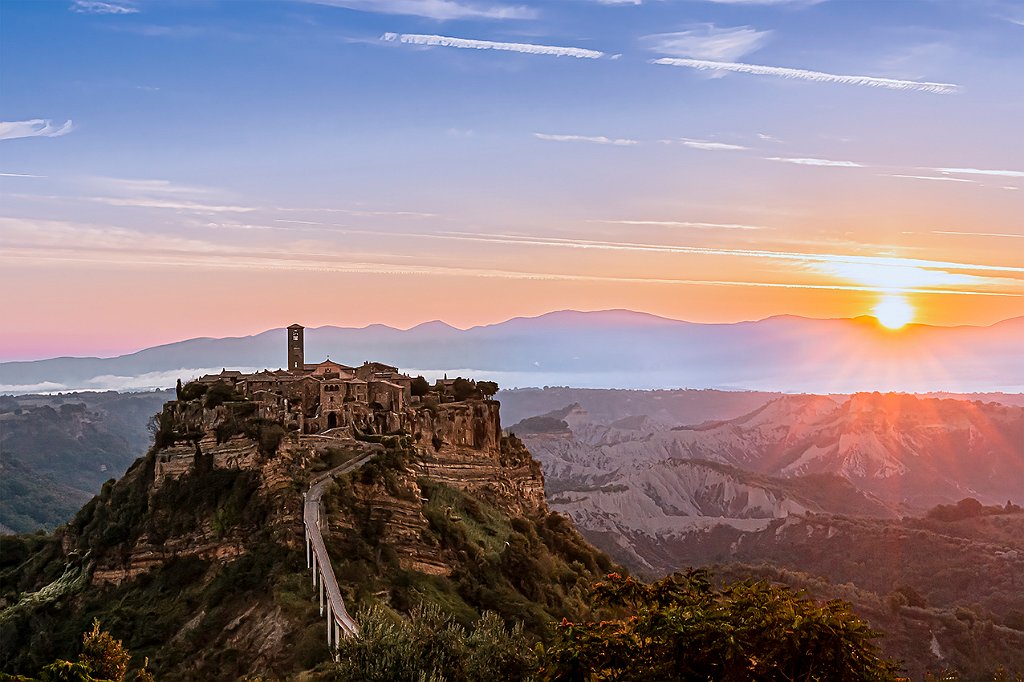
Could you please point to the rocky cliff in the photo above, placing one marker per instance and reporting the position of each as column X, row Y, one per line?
column 637, row 486
column 195, row 557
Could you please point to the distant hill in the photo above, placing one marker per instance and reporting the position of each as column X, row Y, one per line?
column 635, row 484
column 57, row 451
column 669, row 407
column 605, row 349
column 948, row 594
column 817, row 492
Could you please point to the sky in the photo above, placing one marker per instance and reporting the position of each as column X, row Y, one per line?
column 180, row 168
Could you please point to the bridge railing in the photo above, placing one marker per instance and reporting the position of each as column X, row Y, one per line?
column 339, row 622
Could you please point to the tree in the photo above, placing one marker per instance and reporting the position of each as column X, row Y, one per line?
column 420, row 386
column 218, row 394
column 105, row 656
column 487, row 388
column 681, row 628
column 103, row 659
column 464, row 389
column 192, row 390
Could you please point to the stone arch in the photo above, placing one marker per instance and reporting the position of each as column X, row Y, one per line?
column 332, row 420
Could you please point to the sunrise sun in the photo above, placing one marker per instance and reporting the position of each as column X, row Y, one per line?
column 893, row 311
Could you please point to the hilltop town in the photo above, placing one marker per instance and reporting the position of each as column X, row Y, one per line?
column 316, row 397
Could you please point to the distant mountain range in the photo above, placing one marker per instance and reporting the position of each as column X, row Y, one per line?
column 616, row 348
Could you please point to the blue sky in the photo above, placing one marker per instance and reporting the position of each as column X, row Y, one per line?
column 314, row 148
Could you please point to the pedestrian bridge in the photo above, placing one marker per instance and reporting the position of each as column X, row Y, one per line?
column 339, row 622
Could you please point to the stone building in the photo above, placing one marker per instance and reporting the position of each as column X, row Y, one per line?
column 319, row 396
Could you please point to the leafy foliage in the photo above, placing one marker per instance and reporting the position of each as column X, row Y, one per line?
column 541, row 424
column 430, row 645
column 464, row 389
column 682, row 628
column 420, row 386
column 968, row 508
column 487, row 388
column 103, row 659
column 191, row 391
column 220, row 393
column 105, row 656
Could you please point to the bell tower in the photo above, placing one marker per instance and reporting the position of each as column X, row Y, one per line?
column 296, row 353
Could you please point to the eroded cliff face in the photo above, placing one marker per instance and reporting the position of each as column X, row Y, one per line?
column 461, row 444
column 264, row 470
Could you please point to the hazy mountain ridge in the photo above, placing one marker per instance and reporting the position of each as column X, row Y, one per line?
column 601, row 349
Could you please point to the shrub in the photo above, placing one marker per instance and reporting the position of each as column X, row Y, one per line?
column 681, row 628
column 430, row 646
column 192, row 390
column 105, row 656
column 218, row 394
column 420, row 386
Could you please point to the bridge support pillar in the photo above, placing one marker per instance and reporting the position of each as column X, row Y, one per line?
column 330, row 629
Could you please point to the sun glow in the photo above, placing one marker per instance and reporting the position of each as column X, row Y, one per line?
column 893, row 311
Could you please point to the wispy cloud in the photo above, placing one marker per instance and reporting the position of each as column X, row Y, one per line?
column 681, row 223
column 368, row 214
column 36, row 127
column 55, row 234
column 707, row 41
column 20, row 175
column 926, row 177
column 468, row 44
column 979, row 234
column 804, row 74
column 51, row 241
column 979, row 171
column 894, row 277
column 594, row 139
column 713, row 251
column 442, row 10
column 97, row 7
column 176, row 205
column 815, row 162
column 708, row 145
column 144, row 186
